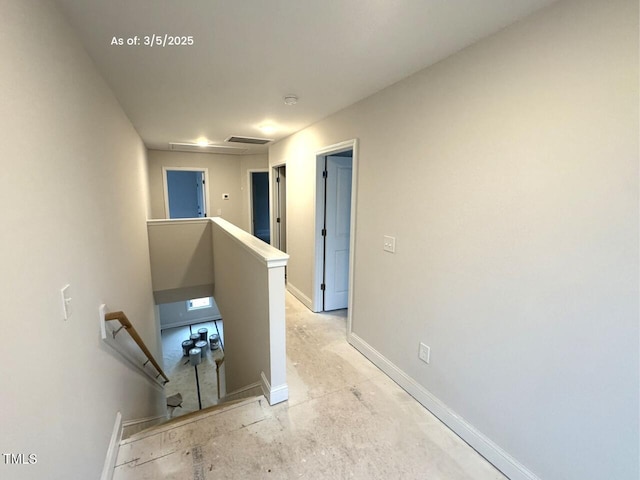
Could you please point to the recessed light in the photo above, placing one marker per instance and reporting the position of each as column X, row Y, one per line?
column 290, row 99
column 267, row 128
column 203, row 142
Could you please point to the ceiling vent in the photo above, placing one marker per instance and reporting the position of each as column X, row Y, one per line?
column 194, row 147
column 251, row 140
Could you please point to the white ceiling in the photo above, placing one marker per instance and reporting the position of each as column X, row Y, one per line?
column 248, row 54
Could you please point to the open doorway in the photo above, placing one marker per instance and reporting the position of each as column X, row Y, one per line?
column 259, row 204
column 185, row 192
column 335, row 223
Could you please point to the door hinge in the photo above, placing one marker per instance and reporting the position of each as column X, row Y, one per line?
column 203, row 182
column 324, row 174
column 277, row 179
column 324, row 232
column 323, row 287
column 278, row 220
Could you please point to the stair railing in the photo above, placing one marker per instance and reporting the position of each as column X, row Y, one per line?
column 109, row 336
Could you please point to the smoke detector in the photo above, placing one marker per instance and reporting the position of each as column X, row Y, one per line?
column 290, row 99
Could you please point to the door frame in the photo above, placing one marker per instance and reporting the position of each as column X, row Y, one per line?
column 273, row 201
column 250, row 197
column 319, row 222
column 165, row 187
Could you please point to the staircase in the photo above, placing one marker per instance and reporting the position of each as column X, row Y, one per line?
column 185, row 447
column 200, row 445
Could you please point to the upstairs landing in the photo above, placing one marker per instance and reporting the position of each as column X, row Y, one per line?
column 344, row 419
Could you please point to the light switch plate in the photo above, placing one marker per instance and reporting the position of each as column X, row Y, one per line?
column 424, row 353
column 65, row 298
column 389, row 244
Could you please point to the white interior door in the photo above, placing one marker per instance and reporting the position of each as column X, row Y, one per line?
column 337, row 232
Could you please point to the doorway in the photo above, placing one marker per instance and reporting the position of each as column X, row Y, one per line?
column 259, row 201
column 335, row 223
column 185, row 192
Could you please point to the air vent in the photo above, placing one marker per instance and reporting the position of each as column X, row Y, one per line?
column 194, row 147
column 251, row 140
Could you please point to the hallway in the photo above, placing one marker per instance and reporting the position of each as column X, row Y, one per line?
column 344, row 419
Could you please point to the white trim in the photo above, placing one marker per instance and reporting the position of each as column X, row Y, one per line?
column 140, row 425
column 318, row 268
column 165, row 187
column 319, row 203
column 273, row 198
column 279, row 392
column 270, row 256
column 483, row 445
column 352, row 238
column 274, row 394
column 172, row 221
column 112, row 451
column 137, row 421
column 250, row 196
column 306, row 301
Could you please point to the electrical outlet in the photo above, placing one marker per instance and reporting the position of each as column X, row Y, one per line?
column 424, row 353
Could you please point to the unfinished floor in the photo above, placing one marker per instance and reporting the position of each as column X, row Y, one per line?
column 344, row 419
column 182, row 374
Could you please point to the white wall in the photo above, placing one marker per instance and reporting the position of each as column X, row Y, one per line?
column 246, row 323
column 176, row 314
column 254, row 331
column 227, row 174
column 73, row 197
column 509, row 175
column 181, row 259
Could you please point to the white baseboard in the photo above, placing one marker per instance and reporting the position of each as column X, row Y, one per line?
column 276, row 394
column 129, row 423
column 131, row 427
column 483, row 445
column 306, row 301
column 112, row 451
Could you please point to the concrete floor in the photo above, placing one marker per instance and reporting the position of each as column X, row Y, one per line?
column 344, row 419
column 182, row 374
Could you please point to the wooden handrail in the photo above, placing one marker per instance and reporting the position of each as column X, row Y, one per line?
column 219, row 362
column 126, row 324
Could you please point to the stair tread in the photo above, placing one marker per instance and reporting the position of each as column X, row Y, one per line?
column 189, row 418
